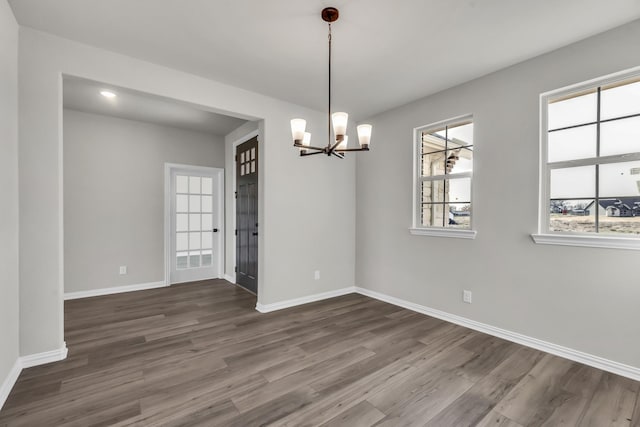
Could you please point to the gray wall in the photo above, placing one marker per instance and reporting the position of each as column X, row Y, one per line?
column 8, row 190
column 293, row 191
column 582, row 298
column 114, row 196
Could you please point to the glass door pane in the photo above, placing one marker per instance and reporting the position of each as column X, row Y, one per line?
column 193, row 229
column 196, row 210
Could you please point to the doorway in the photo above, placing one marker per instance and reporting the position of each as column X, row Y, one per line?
column 195, row 223
column 246, row 191
column 132, row 206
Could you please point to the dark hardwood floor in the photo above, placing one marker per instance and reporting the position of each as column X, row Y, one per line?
column 199, row 354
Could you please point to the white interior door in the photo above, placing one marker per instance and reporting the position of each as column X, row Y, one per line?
column 196, row 224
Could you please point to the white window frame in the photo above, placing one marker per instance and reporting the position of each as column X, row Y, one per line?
column 417, row 228
column 544, row 235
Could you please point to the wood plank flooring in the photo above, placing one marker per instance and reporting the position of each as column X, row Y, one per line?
column 200, row 355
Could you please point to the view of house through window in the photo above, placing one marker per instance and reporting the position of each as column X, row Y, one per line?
column 593, row 159
column 445, row 156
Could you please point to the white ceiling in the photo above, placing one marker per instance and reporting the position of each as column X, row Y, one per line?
column 84, row 95
column 385, row 53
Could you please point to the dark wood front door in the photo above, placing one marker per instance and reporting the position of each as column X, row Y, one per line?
column 247, row 215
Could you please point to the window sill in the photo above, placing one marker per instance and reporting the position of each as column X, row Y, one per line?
column 606, row 242
column 444, row 232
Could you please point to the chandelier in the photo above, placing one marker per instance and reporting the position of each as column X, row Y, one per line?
column 339, row 144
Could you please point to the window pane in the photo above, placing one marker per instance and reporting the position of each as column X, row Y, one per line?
column 620, row 137
column 194, row 240
column 182, row 242
column 433, row 164
column 194, row 203
column 458, row 190
column 182, row 260
column 620, row 206
column 460, row 135
column 433, row 141
column 577, row 216
column 207, row 204
column 194, row 184
column 207, row 222
column 455, row 191
column 207, row 186
column 573, row 182
column 182, row 222
column 207, row 258
column 432, row 191
column 459, row 215
column 432, row 214
column 194, row 222
column 620, row 101
column 618, row 218
column 194, row 259
column 573, row 111
column 571, row 144
column 207, row 240
column 182, row 203
column 620, row 179
column 460, row 160
column 182, row 184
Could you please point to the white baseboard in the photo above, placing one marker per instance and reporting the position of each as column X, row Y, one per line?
column 29, row 362
column 114, row 290
column 43, row 358
column 267, row 308
column 9, row 382
column 230, row 278
column 558, row 350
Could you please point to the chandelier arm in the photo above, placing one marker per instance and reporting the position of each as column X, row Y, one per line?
column 309, row 147
column 311, row 154
column 335, row 146
column 338, row 155
column 342, row 150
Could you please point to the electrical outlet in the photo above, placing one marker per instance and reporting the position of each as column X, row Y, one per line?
column 123, row 269
column 316, row 275
column 466, row 296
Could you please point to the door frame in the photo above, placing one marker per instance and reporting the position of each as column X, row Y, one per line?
column 231, row 276
column 219, row 172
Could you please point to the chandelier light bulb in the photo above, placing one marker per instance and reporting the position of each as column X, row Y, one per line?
column 364, row 135
column 297, row 129
column 339, row 121
column 306, row 139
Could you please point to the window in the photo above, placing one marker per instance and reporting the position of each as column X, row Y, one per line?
column 444, row 169
column 590, row 156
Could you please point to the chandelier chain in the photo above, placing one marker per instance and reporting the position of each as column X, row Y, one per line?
column 329, row 107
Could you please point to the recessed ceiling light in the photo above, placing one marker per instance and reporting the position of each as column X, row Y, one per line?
column 107, row 94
